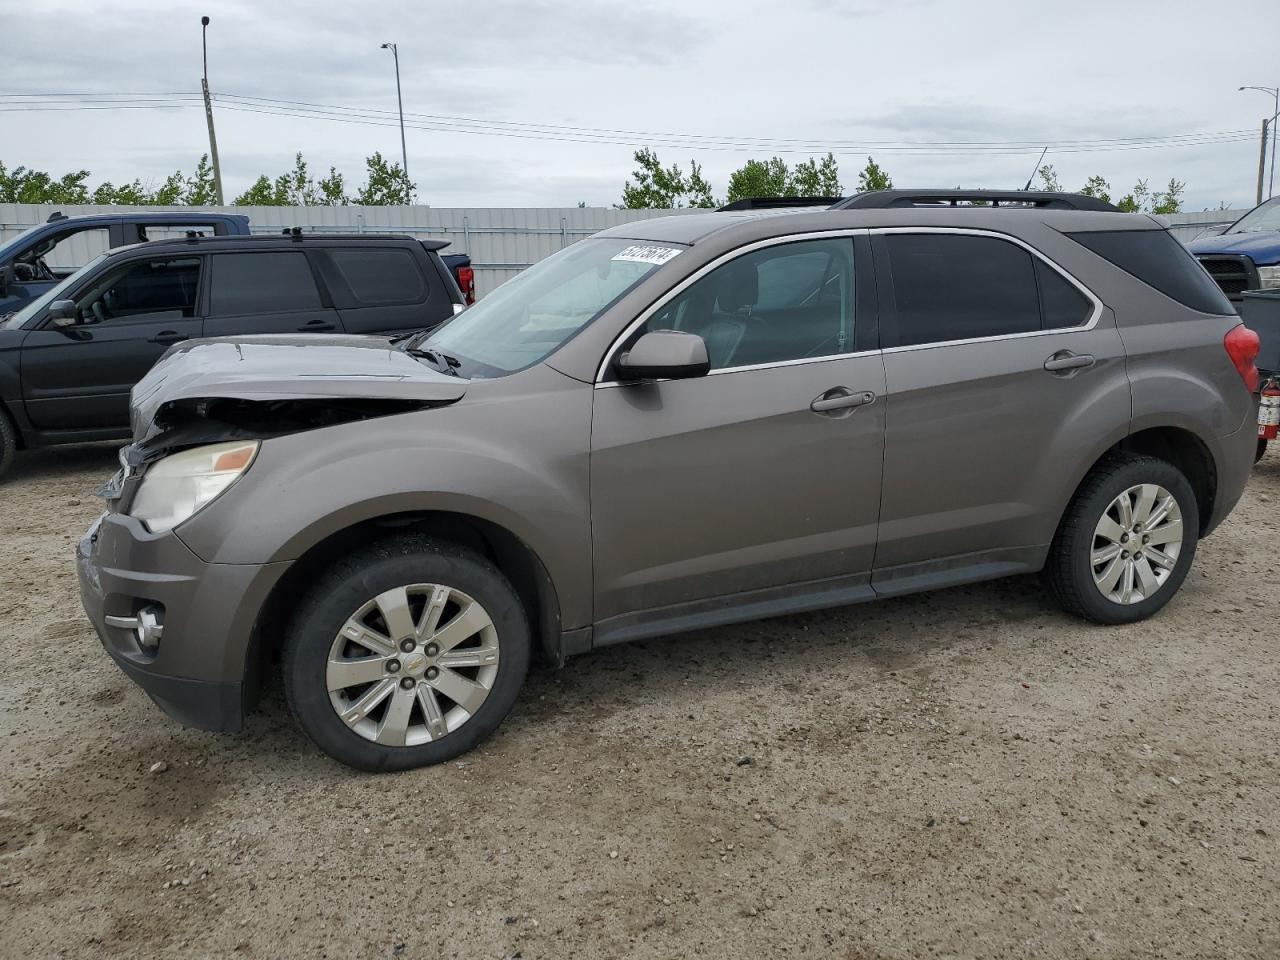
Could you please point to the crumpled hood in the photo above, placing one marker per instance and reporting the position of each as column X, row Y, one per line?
column 284, row 367
column 1263, row 247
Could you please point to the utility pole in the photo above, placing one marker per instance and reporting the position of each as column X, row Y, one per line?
column 208, row 112
column 404, row 153
column 1275, row 95
column 1262, row 159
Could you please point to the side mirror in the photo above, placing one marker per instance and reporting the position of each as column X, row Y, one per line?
column 63, row 313
column 665, row 355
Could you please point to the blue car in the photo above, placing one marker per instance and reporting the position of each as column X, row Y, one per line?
column 1245, row 256
column 37, row 259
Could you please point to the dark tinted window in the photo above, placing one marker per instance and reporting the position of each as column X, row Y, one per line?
column 143, row 288
column 956, row 287
column 380, row 276
column 784, row 302
column 262, row 283
column 1157, row 259
column 1062, row 304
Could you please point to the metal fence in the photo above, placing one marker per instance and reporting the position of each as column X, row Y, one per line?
column 501, row 241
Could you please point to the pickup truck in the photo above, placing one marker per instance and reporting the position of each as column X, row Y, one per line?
column 1245, row 256
column 37, row 259
column 69, row 358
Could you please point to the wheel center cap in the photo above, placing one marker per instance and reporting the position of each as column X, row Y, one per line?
column 414, row 664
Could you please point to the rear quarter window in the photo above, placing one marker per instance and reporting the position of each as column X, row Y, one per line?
column 381, row 276
column 1159, row 261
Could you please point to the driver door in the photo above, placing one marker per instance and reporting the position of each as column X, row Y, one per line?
column 757, row 486
column 79, row 377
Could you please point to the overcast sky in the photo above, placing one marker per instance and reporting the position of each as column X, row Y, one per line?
column 826, row 71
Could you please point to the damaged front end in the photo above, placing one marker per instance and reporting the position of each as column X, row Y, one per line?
column 255, row 388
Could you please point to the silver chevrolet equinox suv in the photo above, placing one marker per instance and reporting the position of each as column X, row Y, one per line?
column 677, row 423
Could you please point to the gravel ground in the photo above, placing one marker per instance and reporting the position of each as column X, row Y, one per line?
column 964, row 774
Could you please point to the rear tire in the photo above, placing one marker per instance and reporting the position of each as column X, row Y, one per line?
column 405, row 654
column 1089, row 567
column 8, row 442
column 1261, row 452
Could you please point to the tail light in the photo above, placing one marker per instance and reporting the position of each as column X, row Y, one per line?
column 1242, row 347
column 1269, row 413
column 467, row 281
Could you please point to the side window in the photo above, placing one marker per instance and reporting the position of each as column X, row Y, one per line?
column 1061, row 303
column 957, row 287
column 61, row 255
column 380, row 276
column 784, row 302
column 142, row 289
column 261, row 283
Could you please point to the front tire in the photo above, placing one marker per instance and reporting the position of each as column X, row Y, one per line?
column 8, row 442
column 1126, row 542
column 406, row 654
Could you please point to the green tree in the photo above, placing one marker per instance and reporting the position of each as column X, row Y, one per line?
column 24, row 185
column 387, row 184
column 660, row 188
column 333, row 191
column 1049, row 179
column 814, row 178
column 873, row 177
column 1097, row 186
column 773, row 178
column 199, row 190
column 761, row 178
column 260, row 194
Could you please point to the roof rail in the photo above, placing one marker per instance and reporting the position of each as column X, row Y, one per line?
column 1040, row 199
column 777, row 203
column 56, row 216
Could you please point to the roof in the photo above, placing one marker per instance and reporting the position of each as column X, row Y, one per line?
column 195, row 215
column 301, row 241
column 690, row 229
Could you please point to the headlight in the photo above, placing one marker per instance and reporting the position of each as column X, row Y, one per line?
column 174, row 488
column 1270, row 277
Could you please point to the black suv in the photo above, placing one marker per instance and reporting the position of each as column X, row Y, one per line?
column 69, row 358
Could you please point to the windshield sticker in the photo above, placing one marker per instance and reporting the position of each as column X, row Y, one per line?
column 639, row 253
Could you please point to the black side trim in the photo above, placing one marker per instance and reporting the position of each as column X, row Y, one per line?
column 717, row 611
column 963, row 568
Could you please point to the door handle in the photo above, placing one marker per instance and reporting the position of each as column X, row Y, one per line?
column 841, row 398
column 168, row 336
column 1066, row 361
column 316, row 326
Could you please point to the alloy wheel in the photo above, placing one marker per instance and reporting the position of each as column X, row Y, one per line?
column 413, row 664
column 1136, row 544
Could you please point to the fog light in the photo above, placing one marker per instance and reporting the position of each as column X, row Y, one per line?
column 146, row 626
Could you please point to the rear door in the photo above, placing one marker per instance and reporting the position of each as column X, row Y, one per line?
column 79, row 377
column 268, row 291
column 1002, row 372
column 385, row 289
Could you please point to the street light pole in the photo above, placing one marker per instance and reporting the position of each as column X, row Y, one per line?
column 404, row 153
column 1275, row 95
column 208, row 112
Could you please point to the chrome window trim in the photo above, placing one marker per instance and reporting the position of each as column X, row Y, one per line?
column 833, row 234
column 1092, row 322
column 693, row 278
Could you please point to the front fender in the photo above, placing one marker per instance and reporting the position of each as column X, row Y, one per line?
column 520, row 464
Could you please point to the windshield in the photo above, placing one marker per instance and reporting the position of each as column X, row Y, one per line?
column 56, row 292
column 531, row 315
column 1265, row 217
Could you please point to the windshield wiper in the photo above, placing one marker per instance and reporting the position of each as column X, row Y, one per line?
column 442, row 362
